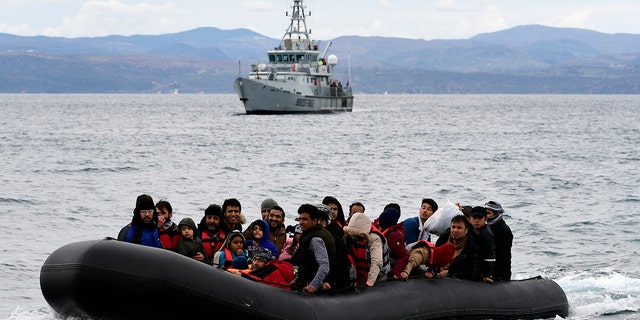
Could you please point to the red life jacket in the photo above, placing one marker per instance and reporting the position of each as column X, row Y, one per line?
column 168, row 238
column 211, row 245
column 280, row 277
column 360, row 260
column 228, row 258
column 431, row 247
column 386, row 260
column 360, row 257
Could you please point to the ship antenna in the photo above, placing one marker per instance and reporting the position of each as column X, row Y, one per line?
column 298, row 27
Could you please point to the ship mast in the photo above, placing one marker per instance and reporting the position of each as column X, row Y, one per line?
column 297, row 33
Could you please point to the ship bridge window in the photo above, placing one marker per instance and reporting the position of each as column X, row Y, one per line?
column 272, row 57
column 279, row 58
column 285, row 57
column 300, row 57
column 292, row 57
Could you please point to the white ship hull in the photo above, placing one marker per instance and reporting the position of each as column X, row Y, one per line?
column 261, row 97
column 297, row 77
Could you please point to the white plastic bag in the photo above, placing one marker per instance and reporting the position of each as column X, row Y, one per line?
column 441, row 219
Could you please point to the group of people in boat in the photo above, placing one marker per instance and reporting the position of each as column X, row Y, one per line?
column 328, row 252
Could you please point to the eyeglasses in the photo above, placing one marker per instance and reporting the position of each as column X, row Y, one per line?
column 146, row 211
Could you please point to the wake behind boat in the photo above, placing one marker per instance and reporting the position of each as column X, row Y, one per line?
column 298, row 77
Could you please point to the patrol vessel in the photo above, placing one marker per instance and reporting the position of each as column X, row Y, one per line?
column 298, row 78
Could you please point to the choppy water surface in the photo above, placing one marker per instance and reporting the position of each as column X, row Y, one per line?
column 565, row 167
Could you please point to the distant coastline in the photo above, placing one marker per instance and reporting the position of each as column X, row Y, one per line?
column 530, row 59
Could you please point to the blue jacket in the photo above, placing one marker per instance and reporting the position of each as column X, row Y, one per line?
column 264, row 242
column 148, row 235
column 411, row 229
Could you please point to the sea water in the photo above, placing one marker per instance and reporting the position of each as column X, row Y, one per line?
column 564, row 167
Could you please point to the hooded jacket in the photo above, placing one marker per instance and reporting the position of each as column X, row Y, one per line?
column 190, row 247
column 360, row 226
column 264, row 242
column 397, row 247
column 224, row 258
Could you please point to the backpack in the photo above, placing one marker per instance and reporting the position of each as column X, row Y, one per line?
column 386, row 256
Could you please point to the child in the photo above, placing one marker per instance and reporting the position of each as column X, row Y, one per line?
column 259, row 230
column 291, row 245
column 265, row 269
column 424, row 252
column 190, row 245
column 233, row 253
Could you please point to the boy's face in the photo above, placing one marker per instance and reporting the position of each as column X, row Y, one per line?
column 186, row 231
column 478, row 221
column 257, row 232
column 426, row 211
column 257, row 264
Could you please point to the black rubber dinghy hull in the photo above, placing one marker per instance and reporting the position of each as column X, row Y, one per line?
column 109, row 279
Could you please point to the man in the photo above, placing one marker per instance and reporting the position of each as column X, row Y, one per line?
column 465, row 260
column 484, row 236
column 143, row 228
column 394, row 234
column 339, row 278
column 337, row 213
column 232, row 215
column 167, row 229
column 210, row 232
column 413, row 226
column 355, row 207
column 503, row 240
column 367, row 250
column 277, row 229
column 266, row 206
column 316, row 252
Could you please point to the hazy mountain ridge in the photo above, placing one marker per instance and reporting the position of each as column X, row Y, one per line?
column 524, row 59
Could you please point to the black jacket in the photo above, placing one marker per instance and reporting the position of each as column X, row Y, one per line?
column 503, row 240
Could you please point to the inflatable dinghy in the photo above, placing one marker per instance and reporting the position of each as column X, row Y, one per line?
column 109, row 279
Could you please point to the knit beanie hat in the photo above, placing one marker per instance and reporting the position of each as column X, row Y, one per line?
column 144, row 202
column 388, row 217
column 268, row 204
column 213, row 209
column 492, row 205
column 261, row 253
column 324, row 212
column 443, row 255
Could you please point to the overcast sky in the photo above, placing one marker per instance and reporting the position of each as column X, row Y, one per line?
column 416, row 19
